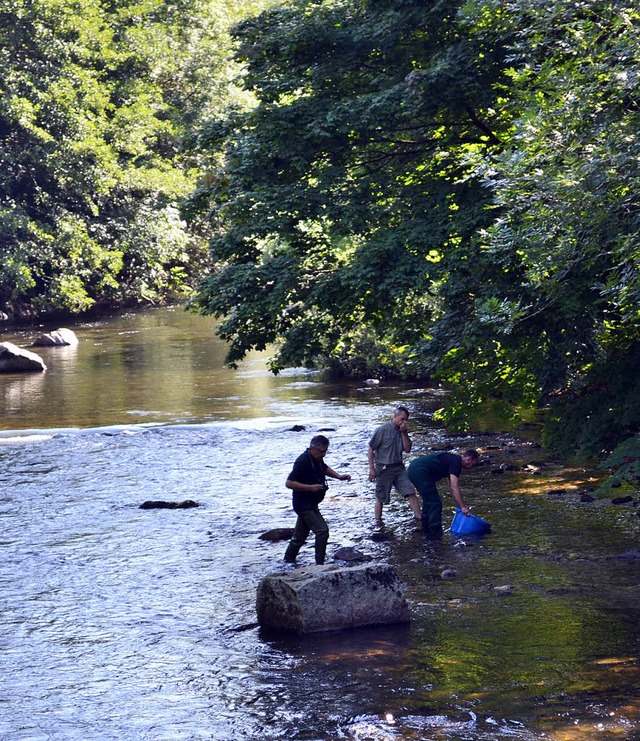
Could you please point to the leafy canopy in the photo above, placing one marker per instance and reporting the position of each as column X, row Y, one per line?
column 96, row 99
column 343, row 201
column 564, row 297
column 439, row 188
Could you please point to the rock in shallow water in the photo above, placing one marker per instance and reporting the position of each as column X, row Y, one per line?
column 278, row 533
column 351, row 554
column 58, row 338
column 319, row 598
column 158, row 504
column 14, row 359
column 622, row 500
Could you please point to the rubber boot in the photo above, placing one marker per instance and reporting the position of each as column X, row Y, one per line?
column 433, row 532
column 292, row 551
column 321, row 547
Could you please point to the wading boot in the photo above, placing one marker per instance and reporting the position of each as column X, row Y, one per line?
column 291, row 552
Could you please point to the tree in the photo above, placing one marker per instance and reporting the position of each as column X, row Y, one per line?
column 343, row 204
column 96, row 100
column 563, row 306
column 443, row 189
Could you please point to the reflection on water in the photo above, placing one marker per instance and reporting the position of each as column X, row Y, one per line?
column 21, row 391
column 122, row 623
column 156, row 366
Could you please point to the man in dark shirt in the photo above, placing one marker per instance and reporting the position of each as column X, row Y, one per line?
column 307, row 480
column 425, row 471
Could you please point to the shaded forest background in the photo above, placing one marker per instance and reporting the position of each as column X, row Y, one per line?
column 391, row 188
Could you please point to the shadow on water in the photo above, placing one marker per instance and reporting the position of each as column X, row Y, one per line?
column 530, row 632
column 122, row 623
column 538, row 619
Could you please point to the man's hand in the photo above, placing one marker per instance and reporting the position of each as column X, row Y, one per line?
column 345, row 477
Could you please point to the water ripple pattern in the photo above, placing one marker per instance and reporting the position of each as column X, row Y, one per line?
column 124, row 623
column 128, row 624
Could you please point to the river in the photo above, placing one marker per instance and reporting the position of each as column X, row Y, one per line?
column 129, row 624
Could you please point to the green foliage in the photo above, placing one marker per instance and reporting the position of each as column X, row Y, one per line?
column 623, row 464
column 604, row 412
column 97, row 98
column 444, row 189
column 550, row 313
column 341, row 193
column 566, row 241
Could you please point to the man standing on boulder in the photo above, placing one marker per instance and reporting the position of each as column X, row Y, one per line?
column 425, row 471
column 307, row 480
column 387, row 444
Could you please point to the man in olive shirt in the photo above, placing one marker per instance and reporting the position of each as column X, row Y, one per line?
column 386, row 447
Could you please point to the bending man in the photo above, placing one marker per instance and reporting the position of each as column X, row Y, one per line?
column 307, row 480
column 425, row 471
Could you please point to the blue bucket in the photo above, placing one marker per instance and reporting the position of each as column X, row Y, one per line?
column 469, row 525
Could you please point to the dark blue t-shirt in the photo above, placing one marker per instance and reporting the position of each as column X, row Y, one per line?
column 441, row 465
column 306, row 470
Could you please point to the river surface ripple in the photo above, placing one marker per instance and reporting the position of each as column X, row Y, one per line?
column 122, row 623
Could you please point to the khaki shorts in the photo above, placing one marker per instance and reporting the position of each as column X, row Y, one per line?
column 391, row 476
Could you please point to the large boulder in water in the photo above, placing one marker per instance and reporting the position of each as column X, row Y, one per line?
column 319, row 598
column 58, row 338
column 14, row 359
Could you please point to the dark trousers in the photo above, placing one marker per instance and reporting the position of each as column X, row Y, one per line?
column 307, row 522
column 422, row 477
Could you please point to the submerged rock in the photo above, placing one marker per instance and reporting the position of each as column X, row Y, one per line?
column 14, row 359
column 319, row 598
column 381, row 536
column 504, row 589
column 157, row 504
column 628, row 556
column 351, row 554
column 622, row 500
column 278, row 533
column 58, row 338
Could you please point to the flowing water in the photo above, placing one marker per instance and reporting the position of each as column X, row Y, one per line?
column 123, row 623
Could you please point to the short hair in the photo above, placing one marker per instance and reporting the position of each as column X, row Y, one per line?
column 319, row 441
column 400, row 410
column 471, row 453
